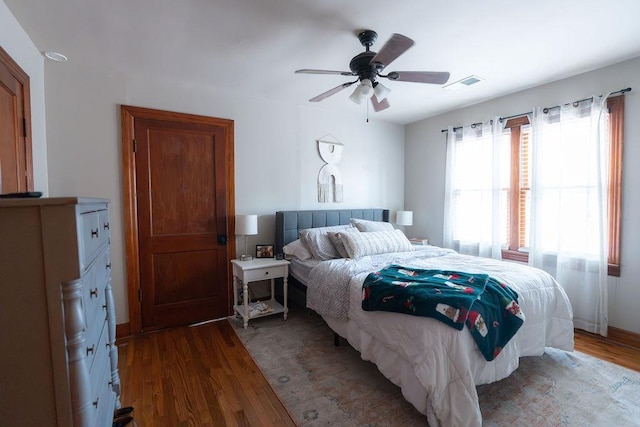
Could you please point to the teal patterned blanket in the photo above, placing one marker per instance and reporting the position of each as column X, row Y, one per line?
column 488, row 308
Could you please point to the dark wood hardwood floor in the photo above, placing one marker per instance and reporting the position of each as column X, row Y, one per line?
column 196, row 376
column 203, row 376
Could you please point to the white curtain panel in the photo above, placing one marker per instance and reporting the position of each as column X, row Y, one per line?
column 475, row 214
column 569, row 155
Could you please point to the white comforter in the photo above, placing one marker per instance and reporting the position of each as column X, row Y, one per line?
column 437, row 366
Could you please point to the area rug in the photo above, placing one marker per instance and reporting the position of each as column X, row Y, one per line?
column 324, row 385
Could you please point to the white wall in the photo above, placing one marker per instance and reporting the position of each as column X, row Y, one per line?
column 15, row 41
column 425, row 168
column 276, row 156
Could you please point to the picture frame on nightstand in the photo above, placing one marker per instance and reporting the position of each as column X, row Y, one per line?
column 264, row 251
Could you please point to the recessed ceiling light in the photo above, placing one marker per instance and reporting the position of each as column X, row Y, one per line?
column 55, row 56
column 467, row 81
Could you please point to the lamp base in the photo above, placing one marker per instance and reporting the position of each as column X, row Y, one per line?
column 246, row 258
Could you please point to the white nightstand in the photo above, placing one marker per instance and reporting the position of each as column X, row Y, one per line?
column 245, row 272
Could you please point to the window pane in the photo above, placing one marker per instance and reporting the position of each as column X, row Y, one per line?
column 568, row 188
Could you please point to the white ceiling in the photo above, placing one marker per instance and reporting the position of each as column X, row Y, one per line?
column 253, row 47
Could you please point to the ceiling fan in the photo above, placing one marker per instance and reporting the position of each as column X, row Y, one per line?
column 368, row 66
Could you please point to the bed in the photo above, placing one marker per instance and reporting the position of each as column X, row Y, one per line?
column 436, row 366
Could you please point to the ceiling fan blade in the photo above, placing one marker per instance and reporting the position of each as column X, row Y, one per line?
column 434, row 77
column 393, row 48
column 331, row 92
column 379, row 106
column 310, row 71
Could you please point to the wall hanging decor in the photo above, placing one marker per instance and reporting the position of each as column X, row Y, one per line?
column 330, row 150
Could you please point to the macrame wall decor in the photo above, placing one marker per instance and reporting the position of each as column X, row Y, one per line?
column 330, row 150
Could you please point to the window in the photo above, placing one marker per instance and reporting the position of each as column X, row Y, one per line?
column 518, row 131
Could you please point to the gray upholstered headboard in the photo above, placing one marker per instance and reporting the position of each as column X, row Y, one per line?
column 289, row 223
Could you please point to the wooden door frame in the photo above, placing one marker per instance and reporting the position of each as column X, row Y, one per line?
column 24, row 128
column 130, row 208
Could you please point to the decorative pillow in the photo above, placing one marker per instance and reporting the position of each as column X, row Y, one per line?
column 296, row 249
column 375, row 242
column 336, row 239
column 318, row 243
column 367, row 226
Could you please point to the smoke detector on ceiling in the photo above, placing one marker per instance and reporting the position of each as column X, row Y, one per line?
column 466, row 82
column 55, row 56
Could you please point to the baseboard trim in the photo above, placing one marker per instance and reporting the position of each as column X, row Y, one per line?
column 622, row 336
column 123, row 330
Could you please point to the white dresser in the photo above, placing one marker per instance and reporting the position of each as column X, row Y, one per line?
column 58, row 359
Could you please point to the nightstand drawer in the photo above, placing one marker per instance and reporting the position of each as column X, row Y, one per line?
column 263, row 273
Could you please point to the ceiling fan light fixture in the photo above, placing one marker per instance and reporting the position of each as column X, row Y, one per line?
column 366, row 87
column 356, row 96
column 362, row 92
column 381, row 91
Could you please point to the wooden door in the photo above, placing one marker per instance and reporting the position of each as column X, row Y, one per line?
column 16, row 170
column 183, row 182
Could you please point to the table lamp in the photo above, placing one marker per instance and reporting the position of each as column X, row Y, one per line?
column 404, row 218
column 246, row 225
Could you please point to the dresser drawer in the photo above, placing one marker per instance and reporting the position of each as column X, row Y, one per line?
column 97, row 350
column 103, row 223
column 94, row 298
column 263, row 273
column 103, row 399
column 92, row 234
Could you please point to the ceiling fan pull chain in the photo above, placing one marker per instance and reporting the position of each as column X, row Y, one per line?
column 367, row 112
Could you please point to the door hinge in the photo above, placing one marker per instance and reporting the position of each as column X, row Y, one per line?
column 140, row 295
column 135, row 146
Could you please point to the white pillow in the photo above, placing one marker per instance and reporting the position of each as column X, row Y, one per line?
column 375, row 242
column 367, row 226
column 336, row 239
column 318, row 243
column 296, row 249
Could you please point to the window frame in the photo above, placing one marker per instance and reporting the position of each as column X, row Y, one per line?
column 615, row 106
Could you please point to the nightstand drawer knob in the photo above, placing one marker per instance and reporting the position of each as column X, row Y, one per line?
column 266, row 273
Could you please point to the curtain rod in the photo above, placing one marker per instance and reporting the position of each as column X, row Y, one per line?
column 546, row 109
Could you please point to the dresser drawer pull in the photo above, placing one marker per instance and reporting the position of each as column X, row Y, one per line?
column 96, row 402
column 93, row 292
column 94, row 233
column 106, row 226
column 91, row 349
column 266, row 273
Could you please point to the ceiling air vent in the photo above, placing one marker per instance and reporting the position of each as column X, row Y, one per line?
column 467, row 81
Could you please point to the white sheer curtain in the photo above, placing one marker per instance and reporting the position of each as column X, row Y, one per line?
column 569, row 155
column 476, row 177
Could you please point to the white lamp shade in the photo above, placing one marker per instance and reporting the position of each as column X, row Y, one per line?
column 356, row 96
column 404, row 218
column 246, row 225
column 381, row 91
column 366, row 88
column 362, row 92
